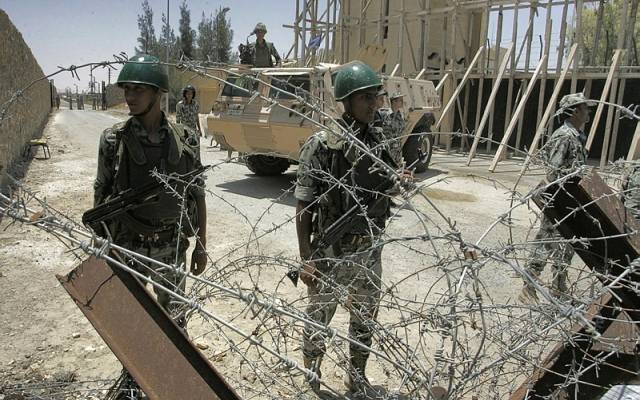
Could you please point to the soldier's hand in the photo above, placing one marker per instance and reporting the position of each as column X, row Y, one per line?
column 198, row 260
column 308, row 275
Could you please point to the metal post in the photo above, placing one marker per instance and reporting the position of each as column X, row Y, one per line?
column 166, row 95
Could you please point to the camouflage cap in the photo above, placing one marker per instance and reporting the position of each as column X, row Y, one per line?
column 574, row 99
column 396, row 95
column 260, row 27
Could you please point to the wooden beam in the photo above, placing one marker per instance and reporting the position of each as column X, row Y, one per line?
column 617, row 56
column 490, row 101
column 516, row 115
column 456, row 93
column 634, row 149
column 496, row 63
column 550, row 107
column 580, row 43
column 440, row 84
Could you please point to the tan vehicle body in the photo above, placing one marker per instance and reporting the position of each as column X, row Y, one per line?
column 251, row 126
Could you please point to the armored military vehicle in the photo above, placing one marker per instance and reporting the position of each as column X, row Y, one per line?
column 270, row 136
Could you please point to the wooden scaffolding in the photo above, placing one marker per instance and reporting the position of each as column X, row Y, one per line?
column 500, row 88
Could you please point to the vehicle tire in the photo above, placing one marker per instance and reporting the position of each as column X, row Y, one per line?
column 417, row 151
column 266, row 165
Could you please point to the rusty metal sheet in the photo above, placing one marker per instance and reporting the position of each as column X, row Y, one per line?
column 588, row 209
column 141, row 334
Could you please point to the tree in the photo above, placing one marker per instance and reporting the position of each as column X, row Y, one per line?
column 206, row 39
column 147, row 39
column 223, row 36
column 601, row 53
column 168, row 40
column 187, row 34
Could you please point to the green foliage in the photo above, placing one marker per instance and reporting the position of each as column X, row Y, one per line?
column 214, row 37
column 600, row 53
column 187, row 34
column 147, row 38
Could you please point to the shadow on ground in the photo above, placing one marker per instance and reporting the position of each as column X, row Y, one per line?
column 277, row 188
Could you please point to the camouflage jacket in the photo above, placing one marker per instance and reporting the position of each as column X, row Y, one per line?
column 632, row 191
column 565, row 151
column 316, row 175
column 111, row 150
column 262, row 54
column 392, row 124
column 187, row 114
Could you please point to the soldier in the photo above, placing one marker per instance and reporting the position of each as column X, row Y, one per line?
column 393, row 126
column 631, row 190
column 564, row 153
column 57, row 101
column 128, row 152
column 352, row 264
column 188, row 108
column 262, row 50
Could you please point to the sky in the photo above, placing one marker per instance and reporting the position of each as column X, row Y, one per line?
column 74, row 32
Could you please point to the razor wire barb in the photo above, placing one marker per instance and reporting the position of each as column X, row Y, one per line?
column 453, row 332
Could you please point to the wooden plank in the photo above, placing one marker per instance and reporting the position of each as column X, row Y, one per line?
column 634, row 149
column 580, row 51
column 490, row 102
column 495, row 70
column 441, row 83
column 617, row 56
column 563, row 33
column 483, row 65
column 550, row 107
column 510, row 84
column 547, row 45
column 456, row 93
column 516, row 115
column 142, row 335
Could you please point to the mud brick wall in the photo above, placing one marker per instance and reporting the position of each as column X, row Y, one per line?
column 24, row 118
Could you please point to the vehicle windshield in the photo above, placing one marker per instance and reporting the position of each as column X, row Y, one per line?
column 246, row 86
column 296, row 85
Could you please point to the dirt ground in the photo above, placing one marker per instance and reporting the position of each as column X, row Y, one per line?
column 44, row 336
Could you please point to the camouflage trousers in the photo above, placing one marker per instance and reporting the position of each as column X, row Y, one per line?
column 353, row 279
column 550, row 245
column 172, row 253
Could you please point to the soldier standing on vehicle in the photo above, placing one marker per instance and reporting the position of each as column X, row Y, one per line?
column 187, row 109
column 263, row 52
column 352, row 263
column 128, row 152
column 564, row 153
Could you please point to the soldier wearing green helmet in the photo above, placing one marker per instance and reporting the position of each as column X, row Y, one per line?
column 128, row 153
column 563, row 154
column 352, row 263
column 263, row 52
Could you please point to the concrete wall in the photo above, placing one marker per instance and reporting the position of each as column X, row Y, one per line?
column 25, row 117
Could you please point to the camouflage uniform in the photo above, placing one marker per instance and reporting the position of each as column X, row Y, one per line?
column 632, row 190
column 566, row 153
column 125, row 149
column 350, row 269
column 262, row 53
column 187, row 114
column 392, row 124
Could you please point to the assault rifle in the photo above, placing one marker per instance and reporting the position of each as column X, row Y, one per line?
column 128, row 200
column 336, row 231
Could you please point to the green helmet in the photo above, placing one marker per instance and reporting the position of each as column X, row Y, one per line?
column 354, row 76
column 144, row 69
column 260, row 27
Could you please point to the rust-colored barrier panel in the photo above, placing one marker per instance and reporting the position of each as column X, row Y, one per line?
column 587, row 208
column 141, row 334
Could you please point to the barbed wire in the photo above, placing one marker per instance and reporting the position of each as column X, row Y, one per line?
column 455, row 332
